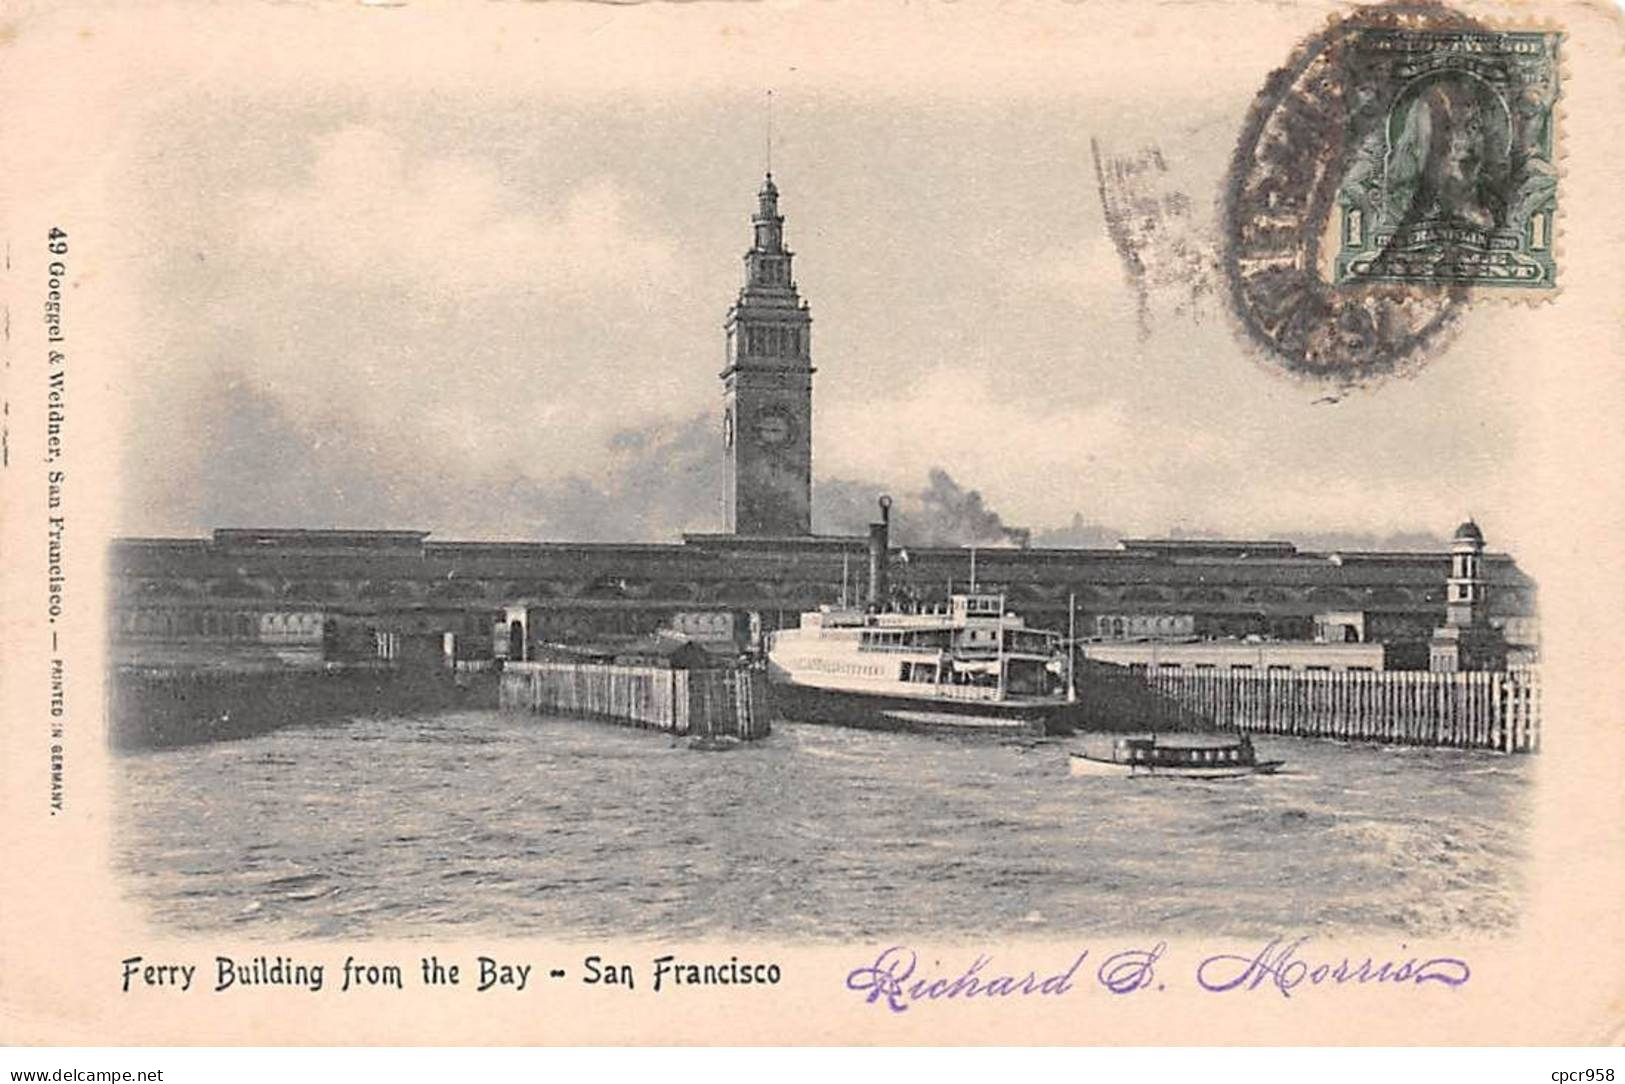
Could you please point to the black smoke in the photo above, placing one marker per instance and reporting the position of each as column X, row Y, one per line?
column 944, row 513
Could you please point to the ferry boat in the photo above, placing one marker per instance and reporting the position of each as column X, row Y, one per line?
column 1188, row 756
column 968, row 665
column 965, row 666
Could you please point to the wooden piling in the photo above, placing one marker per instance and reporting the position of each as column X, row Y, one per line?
column 703, row 703
column 1466, row 710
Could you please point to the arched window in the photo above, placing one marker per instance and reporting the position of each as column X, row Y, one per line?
column 516, row 641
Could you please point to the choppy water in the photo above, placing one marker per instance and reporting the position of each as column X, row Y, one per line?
column 482, row 823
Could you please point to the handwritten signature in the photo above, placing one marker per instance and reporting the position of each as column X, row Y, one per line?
column 891, row 980
column 1277, row 963
column 897, row 979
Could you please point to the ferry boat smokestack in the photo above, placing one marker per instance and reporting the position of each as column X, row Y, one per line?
column 879, row 547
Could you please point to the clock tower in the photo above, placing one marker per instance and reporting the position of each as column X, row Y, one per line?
column 767, row 390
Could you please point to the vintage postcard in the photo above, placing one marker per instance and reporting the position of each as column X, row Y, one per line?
column 803, row 524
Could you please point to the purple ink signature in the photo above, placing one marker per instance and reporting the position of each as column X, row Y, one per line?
column 892, row 981
column 898, row 981
column 1277, row 964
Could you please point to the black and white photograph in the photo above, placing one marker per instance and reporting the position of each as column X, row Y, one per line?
column 1113, row 494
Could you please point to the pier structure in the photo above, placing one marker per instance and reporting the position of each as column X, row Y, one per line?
column 715, row 702
column 237, row 591
column 1498, row 711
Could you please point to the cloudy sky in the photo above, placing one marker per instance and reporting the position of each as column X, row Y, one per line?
column 495, row 311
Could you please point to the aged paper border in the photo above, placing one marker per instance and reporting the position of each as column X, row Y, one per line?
column 69, row 77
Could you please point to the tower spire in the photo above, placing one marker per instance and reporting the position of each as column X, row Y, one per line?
column 767, row 387
column 770, row 132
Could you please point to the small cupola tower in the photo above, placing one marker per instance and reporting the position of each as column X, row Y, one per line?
column 1464, row 591
column 1466, row 640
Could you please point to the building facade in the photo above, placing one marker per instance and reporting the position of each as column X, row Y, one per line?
column 593, row 591
column 767, row 390
column 1230, row 655
column 1144, row 626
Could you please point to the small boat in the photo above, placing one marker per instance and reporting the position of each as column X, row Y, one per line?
column 1188, row 756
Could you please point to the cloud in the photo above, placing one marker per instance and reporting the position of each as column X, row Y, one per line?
column 369, row 211
column 262, row 463
column 410, row 305
column 652, row 485
column 974, row 421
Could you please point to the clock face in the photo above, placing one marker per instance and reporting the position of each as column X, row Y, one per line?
column 773, row 428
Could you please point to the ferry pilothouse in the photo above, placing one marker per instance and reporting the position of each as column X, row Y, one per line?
column 967, row 665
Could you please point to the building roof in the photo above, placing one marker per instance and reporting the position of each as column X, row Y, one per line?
column 325, row 538
column 1211, row 547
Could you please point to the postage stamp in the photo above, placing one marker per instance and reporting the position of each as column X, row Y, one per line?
column 1414, row 146
column 1451, row 176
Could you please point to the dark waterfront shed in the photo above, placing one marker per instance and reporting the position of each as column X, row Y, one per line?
column 671, row 653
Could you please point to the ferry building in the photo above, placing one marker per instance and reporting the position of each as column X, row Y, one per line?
column 767, row 390
column 297, row 596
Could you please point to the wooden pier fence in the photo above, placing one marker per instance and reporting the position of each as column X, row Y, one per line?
column 1497, row 710
column 702, row 703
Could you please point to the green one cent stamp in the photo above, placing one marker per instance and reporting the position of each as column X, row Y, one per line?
column 1450, row 178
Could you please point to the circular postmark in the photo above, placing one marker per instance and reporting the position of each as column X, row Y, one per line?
column 1336, row 124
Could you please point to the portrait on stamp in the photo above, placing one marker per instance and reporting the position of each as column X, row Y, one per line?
column 1452, row 178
